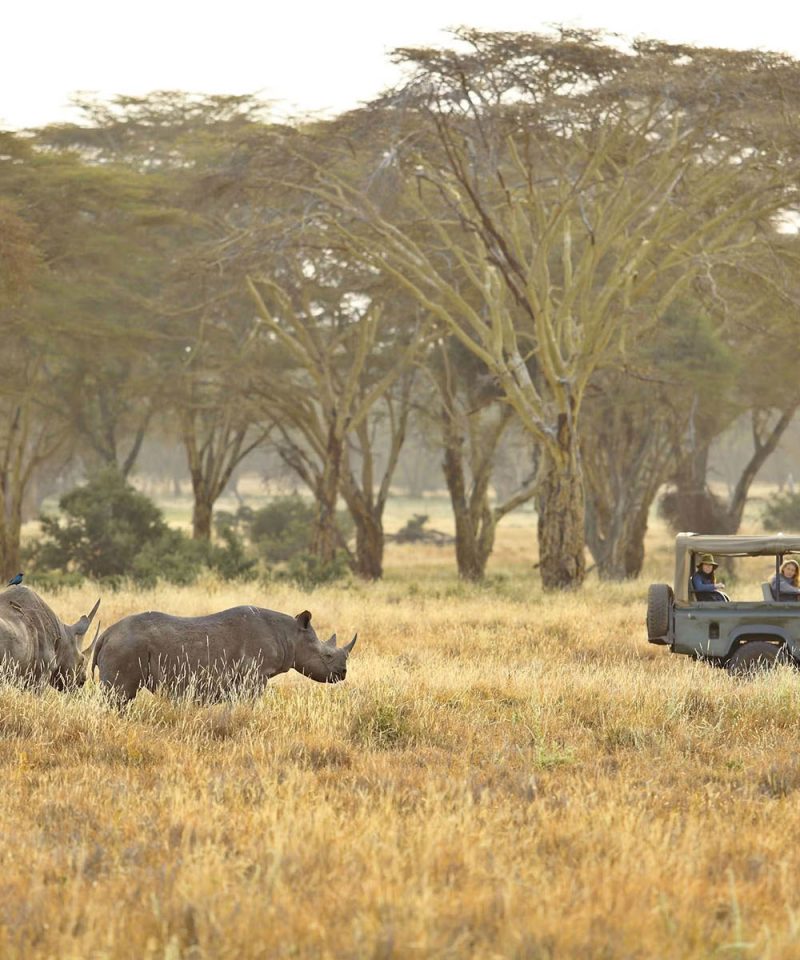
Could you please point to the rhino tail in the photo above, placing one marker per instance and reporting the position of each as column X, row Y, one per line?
column 154, row 676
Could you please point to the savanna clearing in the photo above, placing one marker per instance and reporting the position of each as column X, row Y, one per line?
column 503, row 774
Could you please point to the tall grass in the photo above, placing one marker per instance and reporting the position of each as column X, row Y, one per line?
column 503, row 774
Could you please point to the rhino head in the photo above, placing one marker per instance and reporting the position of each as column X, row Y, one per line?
column 68, row 669
column 324, row 662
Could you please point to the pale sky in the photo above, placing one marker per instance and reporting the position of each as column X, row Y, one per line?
column 308, row 56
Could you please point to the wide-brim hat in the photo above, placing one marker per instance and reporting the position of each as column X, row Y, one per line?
column 707, row 558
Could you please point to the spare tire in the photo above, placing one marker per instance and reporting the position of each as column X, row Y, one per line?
column 659, row 601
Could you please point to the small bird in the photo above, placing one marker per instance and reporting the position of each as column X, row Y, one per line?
column 15, row 580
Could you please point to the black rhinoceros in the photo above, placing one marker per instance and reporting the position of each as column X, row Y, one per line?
column 241, row 647
column 36, row 645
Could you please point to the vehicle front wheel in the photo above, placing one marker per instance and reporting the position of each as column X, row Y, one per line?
column 753, row 657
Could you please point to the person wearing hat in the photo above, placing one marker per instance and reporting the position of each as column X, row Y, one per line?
column 787, row 585
column 704, row 582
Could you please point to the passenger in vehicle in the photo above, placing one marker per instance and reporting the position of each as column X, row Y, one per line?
column 704, row 581
column 788, row 583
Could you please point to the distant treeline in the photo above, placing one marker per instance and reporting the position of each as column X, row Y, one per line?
column 548, row 249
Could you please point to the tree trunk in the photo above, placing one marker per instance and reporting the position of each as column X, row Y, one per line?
column 561, row 513
column 11, row 497
column 696, row 510
column 10, row 546
column 325, row 537
column 623, row 552
column 765, row 441
column 633, row 559
column 202, row 513
column 369, row 545
column 473, row 543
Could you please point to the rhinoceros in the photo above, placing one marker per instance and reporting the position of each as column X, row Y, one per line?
column 238, row 648
column 36, row 645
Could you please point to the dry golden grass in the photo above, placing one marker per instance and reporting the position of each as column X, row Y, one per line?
column 503, row 774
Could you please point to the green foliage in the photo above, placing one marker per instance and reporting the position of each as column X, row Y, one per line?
column 782, row 513
column 52, row 581
column 282, row 530
column 230, row 559
column 106, row 526
column 110, row 531
column 225, row 520
column 309, row 571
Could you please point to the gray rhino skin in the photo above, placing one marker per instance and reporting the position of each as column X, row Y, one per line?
column 242, row 647
column 36, row 645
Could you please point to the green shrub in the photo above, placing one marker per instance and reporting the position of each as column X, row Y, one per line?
column 110, row 531
column 224, row 520
column 782, row 513
column 307, row 570
column 174, row 557
column 53, row 580
column 106, row 524
column 283, row 529
column 229, row 558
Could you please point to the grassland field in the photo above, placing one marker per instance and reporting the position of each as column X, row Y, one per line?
column 504, row 773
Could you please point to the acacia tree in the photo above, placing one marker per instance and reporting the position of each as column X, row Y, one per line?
column 105, row 219
column 56, row 262
column 30, row 435
column 331, row 353
column 190, row 153
column 586, row 187
column 472, row 424
column 755, row 313
column 637, row 414
column 371, row 456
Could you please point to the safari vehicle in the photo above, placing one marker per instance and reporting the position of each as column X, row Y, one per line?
column 744, row 635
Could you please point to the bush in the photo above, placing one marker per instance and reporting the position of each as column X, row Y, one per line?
column 283, row 529
column 309, row 571
column 107, row 525
column 230, row 561
column 111, row 531
column 782, row 513
column 225, row 520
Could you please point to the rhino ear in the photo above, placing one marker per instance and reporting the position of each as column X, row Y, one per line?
column 303, row 619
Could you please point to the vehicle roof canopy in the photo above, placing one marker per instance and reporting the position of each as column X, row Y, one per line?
column 735, row 546
column 767, row 545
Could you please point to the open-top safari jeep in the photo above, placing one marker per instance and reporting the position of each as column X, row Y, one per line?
column 744, row 635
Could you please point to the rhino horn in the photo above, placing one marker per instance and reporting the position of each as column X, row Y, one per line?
column 85, row 621
column 87, row 650
column 90, row 617
column 348, row 647
column 332, row 641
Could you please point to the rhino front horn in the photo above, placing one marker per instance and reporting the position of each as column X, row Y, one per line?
column 350, row 645
column 90, row 617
